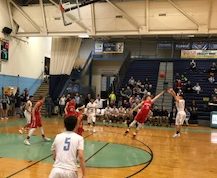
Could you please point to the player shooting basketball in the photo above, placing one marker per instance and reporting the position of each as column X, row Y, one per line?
column 143, row 114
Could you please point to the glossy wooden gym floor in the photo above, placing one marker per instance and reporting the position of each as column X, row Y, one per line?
column 153, row 154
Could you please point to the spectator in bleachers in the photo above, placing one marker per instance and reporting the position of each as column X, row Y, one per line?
column 179, row 85
column 131, row 82
column 136, row 90
column 77, row 99
column 82, row 100
column 188, row 115
column 139, row 83
column 164, row 116
column 188, row 87
column 143, row 91
column 213, row 68
column 107, row 115
column 132, row 100
column 193, row 110
column 122, row 93
column 184, row 79
column 211, row 78
column 197, row 88
column 128, row 92
column 114, row 114
column 172, row 116
column 126, row 104
column 122, row 113
column 193, row 65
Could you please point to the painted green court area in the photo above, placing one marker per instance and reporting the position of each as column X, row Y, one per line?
column 97, row 154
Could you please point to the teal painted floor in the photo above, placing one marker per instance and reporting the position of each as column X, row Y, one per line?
column 97, row 154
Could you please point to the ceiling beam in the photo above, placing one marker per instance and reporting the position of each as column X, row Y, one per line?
column 26, row 16
column 93, row 19
column 184, row 13
column 43, row 16
column 73, row 18
column 128, row 18
column 210, row 13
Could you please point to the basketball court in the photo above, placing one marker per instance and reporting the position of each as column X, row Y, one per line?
column 154, row 153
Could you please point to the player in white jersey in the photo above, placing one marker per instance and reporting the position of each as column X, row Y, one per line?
column 27, row 114
column 181, row 115
column 66, row 147
column 91, row 113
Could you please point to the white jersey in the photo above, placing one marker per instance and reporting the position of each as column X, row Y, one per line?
column 65, row 146
column 28, row 106
column 180, row 105
column 91, row 108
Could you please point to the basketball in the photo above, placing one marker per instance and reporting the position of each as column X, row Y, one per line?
column 162, row 75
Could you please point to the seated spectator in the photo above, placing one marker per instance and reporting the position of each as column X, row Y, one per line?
column 211, row 78
column 122, row 113
column 107, row 115
column 122, row 93
column 128, row 92
column 193, row 65
column 172, row 116
column 164, row 116
column 213, row 68
column 114, row 114
column 188, row 87
column 143, row 91
column 197, row 88
column 193, row 110
column 139, row 83
column 184, row 79
column 126, row 104
column 136, row 90
column 131, row 82
column 132, row 100
column 188, row 115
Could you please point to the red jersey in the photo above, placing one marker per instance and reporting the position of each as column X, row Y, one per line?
column 71, row 109
column 37, row 115
column 80, row 123
column 142, row 115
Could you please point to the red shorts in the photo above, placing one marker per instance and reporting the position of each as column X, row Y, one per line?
column 36, row 123
column 80, row 131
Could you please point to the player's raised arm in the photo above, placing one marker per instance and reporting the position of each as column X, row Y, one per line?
column 173, row 93
column 157, row 96
column 137, row 107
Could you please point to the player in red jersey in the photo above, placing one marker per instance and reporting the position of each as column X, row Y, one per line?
column 143, row 114
column 80, row 129
column 70, row 109
column 36, row 121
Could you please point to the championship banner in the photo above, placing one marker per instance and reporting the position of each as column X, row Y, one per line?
column 199, row 54
column 109, row 47
column 164, row 45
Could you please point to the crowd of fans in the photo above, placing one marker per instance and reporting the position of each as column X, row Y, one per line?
column 12, row 104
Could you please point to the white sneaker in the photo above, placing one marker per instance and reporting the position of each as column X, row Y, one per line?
column 2, row 118
column 94, row 130
column 46, row 139
column 176, row 135
column 26, row 142
column 6, row 118
column 21, row 131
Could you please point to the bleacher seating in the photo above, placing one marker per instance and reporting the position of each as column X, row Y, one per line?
column 141, row 69
column 199, row 76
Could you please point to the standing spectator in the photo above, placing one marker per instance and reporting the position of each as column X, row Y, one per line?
column 18, row 103
column 5, row 103
column 49, row 105
column 197, row 88
column 12, row 105
column 122, row 92
column 62, row 104
column 112, row 98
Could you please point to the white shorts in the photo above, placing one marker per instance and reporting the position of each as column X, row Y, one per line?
column 139, row 125
column 91, row 118
column 180, row 117
column 62, row 173
column 27, row 116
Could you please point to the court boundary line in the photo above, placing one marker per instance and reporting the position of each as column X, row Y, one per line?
column 106, row 144
column 17, row 172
